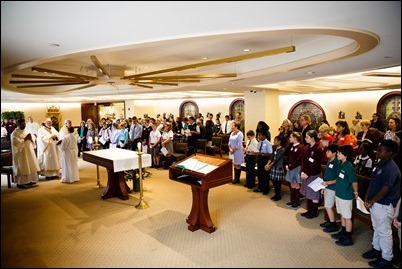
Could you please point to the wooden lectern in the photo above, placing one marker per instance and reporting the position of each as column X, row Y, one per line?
column 201, row 172
column 116, row 162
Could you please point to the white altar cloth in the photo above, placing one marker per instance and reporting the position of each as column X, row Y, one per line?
column 122, row 159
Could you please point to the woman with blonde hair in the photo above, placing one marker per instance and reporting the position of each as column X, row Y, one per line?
column 286, row 128
column 367, row 133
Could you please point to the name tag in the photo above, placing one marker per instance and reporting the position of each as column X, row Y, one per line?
column 311, row 160
column 330, row 165
column 342, row 138
column 341, row 175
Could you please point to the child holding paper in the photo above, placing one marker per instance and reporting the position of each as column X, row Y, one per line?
column 345, row 191
column 330, row 174
column 310, row 170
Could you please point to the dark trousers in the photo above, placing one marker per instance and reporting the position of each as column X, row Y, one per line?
column 82, row 146
column 263, row 175
column 250, row 170
column 134, row 144
column 106, row 145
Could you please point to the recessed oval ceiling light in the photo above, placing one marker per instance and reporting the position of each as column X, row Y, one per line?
column 310, row 73
column 246, row 50
column 204, row 58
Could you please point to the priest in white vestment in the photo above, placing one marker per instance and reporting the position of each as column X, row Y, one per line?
column 48, row 151
column 69, row 159
column 25, row 164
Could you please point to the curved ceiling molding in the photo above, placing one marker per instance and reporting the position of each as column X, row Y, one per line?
column 172, row 66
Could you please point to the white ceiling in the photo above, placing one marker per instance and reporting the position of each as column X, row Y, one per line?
column 335, row 43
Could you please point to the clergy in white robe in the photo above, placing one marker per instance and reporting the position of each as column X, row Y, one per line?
column 25, row 164
column 47, row 149
column 69, row 159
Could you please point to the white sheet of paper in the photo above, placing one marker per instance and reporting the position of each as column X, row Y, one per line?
column 164, row 151
column 193, row 164
column 360, row 205
column 208, row 168
column 316, row 184
column 145, row 149
column 102, row 140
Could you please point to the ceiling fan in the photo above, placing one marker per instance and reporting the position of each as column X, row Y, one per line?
column 144, row 80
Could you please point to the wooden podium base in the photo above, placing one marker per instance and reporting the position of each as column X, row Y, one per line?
column 199, row 217
column 201, row 182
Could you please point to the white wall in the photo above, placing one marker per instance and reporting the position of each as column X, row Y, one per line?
column 38, row 110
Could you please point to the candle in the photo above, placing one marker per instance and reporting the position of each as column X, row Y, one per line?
column 139, row 146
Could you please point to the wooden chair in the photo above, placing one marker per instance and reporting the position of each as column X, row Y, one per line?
column 7, row 166
column 179, row 151
column 201, row 146
column 225, row 142
column 217, row 144
column 363, row 184
column 5, row 145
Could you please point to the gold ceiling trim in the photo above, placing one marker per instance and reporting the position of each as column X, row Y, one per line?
column 53, row 84
column 49, row 81
column 100, row 67
column 157, row 83
column 141, row 85
column 227, row 75
column 166, row 80
column 44, row 70
column 382, row 74
column 219, row 61
column 43, row 77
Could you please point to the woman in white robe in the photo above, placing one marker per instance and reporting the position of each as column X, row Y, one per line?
column 25, row 164
column 69, row 159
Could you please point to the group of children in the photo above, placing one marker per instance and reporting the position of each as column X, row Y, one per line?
column 303, row 165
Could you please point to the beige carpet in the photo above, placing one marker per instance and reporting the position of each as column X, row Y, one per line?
column 69, row 225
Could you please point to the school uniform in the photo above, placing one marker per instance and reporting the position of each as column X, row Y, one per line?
column 265, row 150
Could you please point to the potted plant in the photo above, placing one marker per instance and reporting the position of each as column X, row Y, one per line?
column 16, row 115
column 134, row 175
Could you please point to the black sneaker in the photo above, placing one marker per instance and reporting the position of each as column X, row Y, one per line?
column 325, row 224
column 338, row 235
column 331, row 229
column 294, row 206
column 344, row 241
column 372, row 254
column 311, row 215
column 289, row 204
column 305, row 213
column 381, row 263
